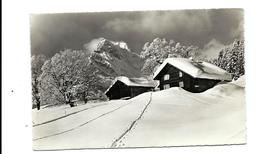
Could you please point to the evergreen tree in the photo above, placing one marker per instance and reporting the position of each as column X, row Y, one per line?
column 231, row 59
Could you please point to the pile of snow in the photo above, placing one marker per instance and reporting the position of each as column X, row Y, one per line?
column 180, row 118
column 230, row 89
column 196, row 69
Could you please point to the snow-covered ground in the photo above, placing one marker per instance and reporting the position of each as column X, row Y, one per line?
column 177, row 118
column 172, row 117
column 48, row 114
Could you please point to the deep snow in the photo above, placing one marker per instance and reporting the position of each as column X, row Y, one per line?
column 180, row 118
column 173, row 117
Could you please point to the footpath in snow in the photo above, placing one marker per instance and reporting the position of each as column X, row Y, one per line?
column 172, row 117
column 96, row 128
column 50, row 114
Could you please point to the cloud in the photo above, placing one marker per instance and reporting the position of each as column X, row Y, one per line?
column 122, row 25
column 212, row 48
column 92, row 45
column 238, row 32
column 53, row 32
column 162, row 22
column 165, row 22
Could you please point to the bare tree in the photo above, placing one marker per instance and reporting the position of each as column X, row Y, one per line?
column 62, row 73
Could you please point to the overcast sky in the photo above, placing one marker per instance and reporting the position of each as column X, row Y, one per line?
column 208, row 29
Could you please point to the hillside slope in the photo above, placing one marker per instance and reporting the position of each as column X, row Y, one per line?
column 179, row 118
column 172, row 117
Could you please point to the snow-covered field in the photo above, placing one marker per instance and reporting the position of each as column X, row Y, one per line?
column 46, row 115
column 172, row 117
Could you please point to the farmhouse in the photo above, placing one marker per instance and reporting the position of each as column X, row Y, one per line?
column 193, row 76
column 124, row 87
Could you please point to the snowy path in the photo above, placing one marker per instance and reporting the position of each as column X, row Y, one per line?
column 101, row 127
column 118, row 141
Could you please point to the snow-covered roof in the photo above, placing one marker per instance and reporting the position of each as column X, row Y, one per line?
column 196, row 69
column 135, row 82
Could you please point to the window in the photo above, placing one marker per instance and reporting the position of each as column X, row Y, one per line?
column 180, row 74
column 181, row 84
column 166, row 77
column 166, row 86
column 196, row 86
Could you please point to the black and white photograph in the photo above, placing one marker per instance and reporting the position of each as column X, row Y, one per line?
column 135, row 79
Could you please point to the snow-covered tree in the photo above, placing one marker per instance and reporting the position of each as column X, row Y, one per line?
column 158, row 50
column 36, row 64
column 62, row 73
column 231, row 58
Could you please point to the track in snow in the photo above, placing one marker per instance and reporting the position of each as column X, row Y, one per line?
column 82, row 123
column 115, row 143
column 61, row 117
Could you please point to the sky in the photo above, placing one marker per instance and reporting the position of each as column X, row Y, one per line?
column 210, row 29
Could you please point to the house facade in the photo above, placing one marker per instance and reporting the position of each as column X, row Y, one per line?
column 124, row 87
column 190, row 75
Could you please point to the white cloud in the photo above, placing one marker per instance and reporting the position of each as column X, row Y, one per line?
column 212, row 48
column 92, row 45
column 159, row 22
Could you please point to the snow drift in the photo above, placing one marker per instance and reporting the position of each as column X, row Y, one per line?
column 180, row 118
column 172, row 117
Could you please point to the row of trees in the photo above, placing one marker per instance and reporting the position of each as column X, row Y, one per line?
column 230, row 58
column 155, row 52
column 56, row 79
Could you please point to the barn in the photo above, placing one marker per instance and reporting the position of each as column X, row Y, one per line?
column 191, row 75
column 124, row 87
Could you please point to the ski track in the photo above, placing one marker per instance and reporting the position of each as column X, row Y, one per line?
column 118, row 140
column 82, row 123
column 61, row 117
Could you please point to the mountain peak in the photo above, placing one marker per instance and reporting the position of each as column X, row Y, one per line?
column 121, row 44
column 99, row 43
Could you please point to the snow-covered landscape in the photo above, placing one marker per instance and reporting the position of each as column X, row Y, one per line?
column 172, row 117
column 127, row 79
